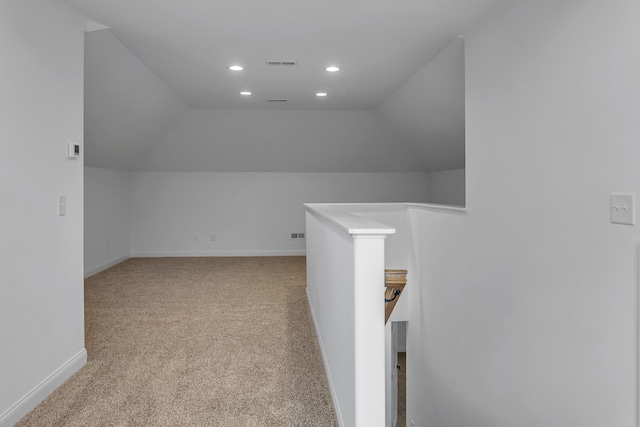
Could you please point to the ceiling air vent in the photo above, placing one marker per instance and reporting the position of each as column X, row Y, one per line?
column 278, row 100
column 281, row 63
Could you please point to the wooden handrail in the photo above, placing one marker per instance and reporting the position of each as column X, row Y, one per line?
column 394, row 281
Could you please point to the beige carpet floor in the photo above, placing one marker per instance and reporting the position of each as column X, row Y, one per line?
column 196, row 342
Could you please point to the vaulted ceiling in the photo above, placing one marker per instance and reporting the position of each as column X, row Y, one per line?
column 160, row 96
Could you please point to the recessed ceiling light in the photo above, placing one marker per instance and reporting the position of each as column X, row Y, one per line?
column 332, row 69
column 236, row 68
column 321, row 94
column 245, row 93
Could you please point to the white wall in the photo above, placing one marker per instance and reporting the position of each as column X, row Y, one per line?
column 250, row 213
column 527, row 311
column 41, row 289
column 447, row 187
column 107, row 210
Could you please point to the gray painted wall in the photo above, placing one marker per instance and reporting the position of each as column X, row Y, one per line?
column 447, row 187
column 107, row 211
column 427, row 112
column 128, row 108
column 250, row 213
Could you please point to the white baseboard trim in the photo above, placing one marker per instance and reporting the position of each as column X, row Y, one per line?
column 327, row 371
column 32, row 399
column 221, row 253
column 103, row 266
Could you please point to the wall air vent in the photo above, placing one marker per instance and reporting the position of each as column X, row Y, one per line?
column 278, row 100
column 281, row 63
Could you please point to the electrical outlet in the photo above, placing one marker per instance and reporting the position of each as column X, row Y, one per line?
column 297, row 235
column 212, row 237
column 196, row 237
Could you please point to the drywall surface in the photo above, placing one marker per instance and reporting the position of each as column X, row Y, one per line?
column 345, row 283
column 396, row 245
column 333, row 317
column 447, row 187
column 280, row 141
column 128, row 108
column 527, row 310
column 249, row 213
column 107, row 214
column 41, row 289
column 427, row 111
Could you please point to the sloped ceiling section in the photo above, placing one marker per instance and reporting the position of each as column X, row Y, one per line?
column 127, row 107
column 427, row 112
column 133, row 121
column 377, row 43
column 226, row 140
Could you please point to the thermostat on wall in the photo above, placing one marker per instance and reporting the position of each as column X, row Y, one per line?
column 74, row 150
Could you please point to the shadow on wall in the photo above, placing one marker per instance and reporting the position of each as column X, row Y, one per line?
column 447, row 187
column 428, row 114
column 428, row 111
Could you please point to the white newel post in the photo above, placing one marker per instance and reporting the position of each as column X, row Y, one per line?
column 369, row 330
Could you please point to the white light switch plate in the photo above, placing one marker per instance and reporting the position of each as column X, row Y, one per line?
column 622, row 209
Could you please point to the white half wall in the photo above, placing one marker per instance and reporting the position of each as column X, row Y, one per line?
column 527, row 311
column 107, row 213
column 333, row 318
column 41, row 289
column 345, row 289
column 396, row 245
column 447, row 187
column 249, row 213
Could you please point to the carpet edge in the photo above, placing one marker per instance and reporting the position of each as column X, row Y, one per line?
column 103, row 266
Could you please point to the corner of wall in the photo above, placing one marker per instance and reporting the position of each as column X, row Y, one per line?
column 39, row 393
